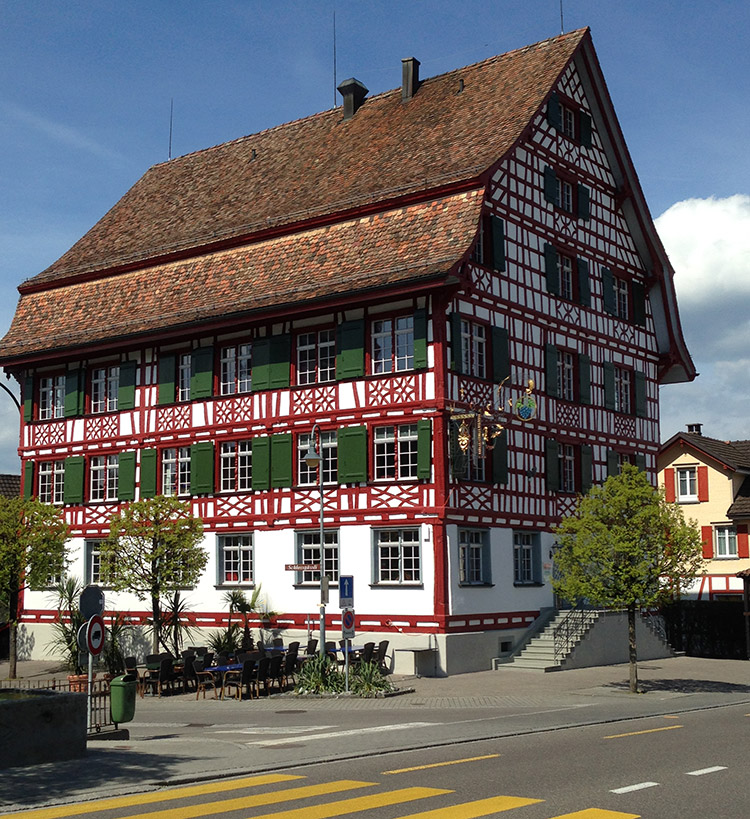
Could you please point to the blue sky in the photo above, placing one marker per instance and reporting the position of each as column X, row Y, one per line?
column 85, row 91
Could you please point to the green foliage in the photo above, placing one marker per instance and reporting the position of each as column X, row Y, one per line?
column 367, row 680
column 228, row 640
column 154, row 547
column 320, row 675
column 69, row 619
column 112, row 652
column 175, row 624
column 624, row 546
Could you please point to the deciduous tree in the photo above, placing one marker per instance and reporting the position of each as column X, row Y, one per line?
column 625, row 547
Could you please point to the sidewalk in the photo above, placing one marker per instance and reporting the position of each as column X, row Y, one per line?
column 177, row 739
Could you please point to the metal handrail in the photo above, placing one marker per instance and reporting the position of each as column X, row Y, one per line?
column 567, row 634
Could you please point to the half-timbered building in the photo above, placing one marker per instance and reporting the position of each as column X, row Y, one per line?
column 380, row 270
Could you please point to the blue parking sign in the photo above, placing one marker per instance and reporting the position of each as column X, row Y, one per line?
column 346, row 591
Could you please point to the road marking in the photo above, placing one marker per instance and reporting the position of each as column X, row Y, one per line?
column 648, row 731
column 275, row 729
column 471, row 810
column 350, row 807
column 639, row 787
column 440, row 764
column 376, row 729
column 155, row 796
column 598, row 813
column 254, row 801
column 707, row 770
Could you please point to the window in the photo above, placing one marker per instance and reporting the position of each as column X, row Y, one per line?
column 235, row 464
column 51, row 397
column 94, row 574
column 308, row 551
column 184, row 374
column 687, row 484
column 565, row 195
column 105, row 384
column 469, row 464
column 569, row 117
column 308, row 476
column 51, row 481
column 622, row 298
column 235, row 366
column 392, row 344
column 726, row 541
column 316, row 357
column 104, row 471
column 397, row 556
column 526, row 558
column 235, row 559
column 474, row 349
column 175, row 471
column 473, row 559
column 566, row 371
column 396, row 451
column 567, row 279
column 566, row 464
column 623, row 390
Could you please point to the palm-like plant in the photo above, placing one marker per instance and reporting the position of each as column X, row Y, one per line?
column 69, row 619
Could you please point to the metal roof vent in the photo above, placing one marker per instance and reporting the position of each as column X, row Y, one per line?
column 409, row 77
column 695, row 429
column 354, row 93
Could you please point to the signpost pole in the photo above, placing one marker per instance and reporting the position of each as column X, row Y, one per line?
column 89, row 702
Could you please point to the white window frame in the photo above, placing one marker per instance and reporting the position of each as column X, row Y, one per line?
column 104, row 471
column 526, row 558
column 105, row 385
column 392, row 344
column 184, row 376
column 308, row 551
column 51, row 397
column 568, row 117
column 236, row 466
column 397, row 557
column 236, row 559
column 567, row 281
column 566, row 462
column 316, row 357
column 474, row 348
column 566, row 371
column 623, row 390
column 725, row 541
column 93, row 562
column 687, row 484
column 308, row 476
column 51, row 482
column 175, row 471
column 565, row 195
column 396, row 452
column 622, row 297
column 235, row 368
column 473, row 557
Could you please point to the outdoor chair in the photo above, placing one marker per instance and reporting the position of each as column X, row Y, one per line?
column 205, row 679
column 188, row 672
column 162, row 678
column 240, row 679
column 261, row 675
column 312, row 647
column 260, row 646
column 289, row 669
column 366, row 655
column 379, row 657
column 278, row 642
column 131, row 667
column 293, row 647
column 208, row 659
column 275, row 673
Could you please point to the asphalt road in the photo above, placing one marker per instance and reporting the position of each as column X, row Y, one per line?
column 687, row 765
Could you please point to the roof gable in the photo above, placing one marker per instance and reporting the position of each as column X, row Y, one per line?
column 734, row 455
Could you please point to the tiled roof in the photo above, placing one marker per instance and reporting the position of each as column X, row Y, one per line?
column 10, row 486
column 410, row 245
column 455, row 127
column 734, row 454
column 740, row 507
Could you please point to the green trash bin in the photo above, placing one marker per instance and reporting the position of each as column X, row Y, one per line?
column 122, row 698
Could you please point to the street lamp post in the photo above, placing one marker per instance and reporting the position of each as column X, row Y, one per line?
column 313, row 459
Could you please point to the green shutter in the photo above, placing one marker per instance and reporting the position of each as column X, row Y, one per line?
column 420, row 339
column 202, row 373
column 28, row 399
column 261, row 375
column 424, row 449
column 586, row 468
column 551, row 465
column 500, row 354
column 126, row 476
column 609, row 385
column 638, row 292
column 271, row 362
column 584, row 285
column 28, row 479
column 551, row 270
column 149, row 461
column 584, row 378
column 613, row 463
column 498, row 243
column 126, row 387
column 550, row 370
column 261, row 477
column 456, row 355
column 167, row 379
column 73, row 393
column 584, row 202
column 640, row 394
column 608, row 290
column 554, row 112
column 282, row 457
column 74, row 479
column 202, row 468
column 350, row 349
column 640, row 462
column 352, row 451
column 550, row 185
column 584, row 129
column 500, row 458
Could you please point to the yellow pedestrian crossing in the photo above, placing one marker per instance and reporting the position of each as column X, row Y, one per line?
column 308, row 795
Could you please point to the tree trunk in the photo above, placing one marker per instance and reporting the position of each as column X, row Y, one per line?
column 156, row 617
column 632, row 650
column 13, row 615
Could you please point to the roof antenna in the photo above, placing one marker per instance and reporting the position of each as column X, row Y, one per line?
column 171, row 116
column 562, row 24
column 334, row 57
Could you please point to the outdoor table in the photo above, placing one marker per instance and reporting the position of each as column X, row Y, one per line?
column 222, row 670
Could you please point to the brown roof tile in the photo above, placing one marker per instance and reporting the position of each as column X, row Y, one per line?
column 10, row 486
column 735, row 454
column 446, row 134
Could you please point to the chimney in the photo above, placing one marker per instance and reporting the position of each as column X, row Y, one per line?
column 354, row 94
column 695, row 429
column 409, row 77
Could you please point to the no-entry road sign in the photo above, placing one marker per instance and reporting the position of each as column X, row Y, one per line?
column 347, row 624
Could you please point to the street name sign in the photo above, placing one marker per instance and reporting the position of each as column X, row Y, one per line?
column 302, row 567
